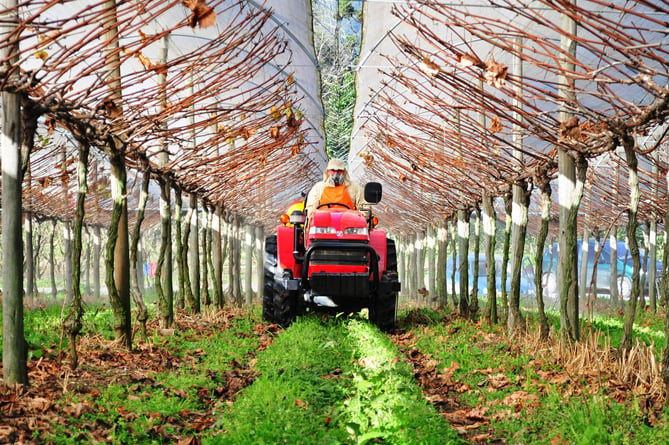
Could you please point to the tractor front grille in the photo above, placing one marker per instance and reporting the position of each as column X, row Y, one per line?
column 344, row 270
column 341, row 257
column 344, row 288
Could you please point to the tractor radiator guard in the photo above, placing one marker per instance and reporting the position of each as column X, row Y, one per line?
column 340, row 286
column 340, row 280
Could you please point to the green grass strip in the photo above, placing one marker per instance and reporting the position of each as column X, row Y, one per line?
column 333, row 382
column 386, row 403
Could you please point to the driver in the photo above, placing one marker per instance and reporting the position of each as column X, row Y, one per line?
column 336, row 187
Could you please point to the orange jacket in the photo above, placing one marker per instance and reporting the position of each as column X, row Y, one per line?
column 336, row 194
column 320, row 190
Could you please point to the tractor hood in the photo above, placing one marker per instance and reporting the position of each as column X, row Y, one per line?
column 338, row 224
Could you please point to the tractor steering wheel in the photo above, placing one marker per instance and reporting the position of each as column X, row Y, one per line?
column 329, row 204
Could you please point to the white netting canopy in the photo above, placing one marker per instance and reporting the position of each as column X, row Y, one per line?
column 453, row 99
column 223, row 98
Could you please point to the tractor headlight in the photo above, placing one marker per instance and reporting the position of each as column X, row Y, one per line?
column 356, row 231
column 321, row 230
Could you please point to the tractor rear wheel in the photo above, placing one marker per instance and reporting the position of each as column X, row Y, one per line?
column 268, row 287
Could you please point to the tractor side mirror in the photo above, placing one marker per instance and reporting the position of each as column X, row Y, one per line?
column 373, row 192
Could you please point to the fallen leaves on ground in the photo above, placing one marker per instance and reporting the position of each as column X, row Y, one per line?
column 40, row 407
column 442, row 390
column 547, row 374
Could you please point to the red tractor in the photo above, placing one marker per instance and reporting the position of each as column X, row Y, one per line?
column 337, row 262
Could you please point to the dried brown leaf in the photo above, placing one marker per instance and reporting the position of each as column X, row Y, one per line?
column 368, row 158
column 485, row 437
column 495, row 125
column 275, row 113
column 39, row 404
column 77, row 410
column 477, row 413
column 466, row 60
column 495, row 73
column 448, row 372
column 569, row 123
column 428, row 67
column 499, row 381
column 110, row 107
column 569, row 129
column 520, row 399
column 203, row 15
column 274, row 132
column 292, row 122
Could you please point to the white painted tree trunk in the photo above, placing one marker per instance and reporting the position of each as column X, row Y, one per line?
column 260, row 260
column 14, row 366
column 431, row 246
column 566, row 267
column 194, row 250
column 249, row 241
column 442, row 253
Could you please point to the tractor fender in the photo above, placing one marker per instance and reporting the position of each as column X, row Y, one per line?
column 285, row 237
column 377, row 240
column 287, row 284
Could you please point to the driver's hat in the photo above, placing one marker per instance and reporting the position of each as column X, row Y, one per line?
column 336, row 164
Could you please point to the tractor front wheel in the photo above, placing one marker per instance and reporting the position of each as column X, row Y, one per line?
column 383, row 312
column 287, row 305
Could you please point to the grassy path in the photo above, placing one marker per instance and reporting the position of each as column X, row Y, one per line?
column 333, row 382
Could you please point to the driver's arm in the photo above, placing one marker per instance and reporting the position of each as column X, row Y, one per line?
column 313, row 198
column 357, row 195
